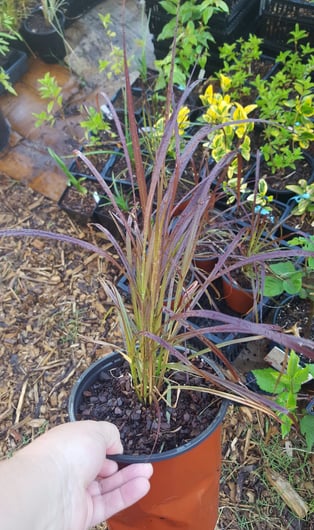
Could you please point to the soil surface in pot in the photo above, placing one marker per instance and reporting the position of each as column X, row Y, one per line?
column 154, row 429
column 36, row 23
column 303, row 223
column 82, row 203
column 297, row 312
column 279, row 180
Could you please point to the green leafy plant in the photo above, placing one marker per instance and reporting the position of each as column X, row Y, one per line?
column 114, row 64
column 51, row 90
column 72, row 180
column 286, row 100
column 95, row 124
column 291, row 277
column 261, row 198
column 152, row 133
column 189, row 22
column 304, row 198
column 238, row 60
column 219, row 109
column 123, row 198
column 286, row 387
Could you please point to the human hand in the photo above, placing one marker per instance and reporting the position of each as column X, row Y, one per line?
column 63, row 480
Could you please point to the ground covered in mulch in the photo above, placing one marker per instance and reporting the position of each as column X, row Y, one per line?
column 55, row 320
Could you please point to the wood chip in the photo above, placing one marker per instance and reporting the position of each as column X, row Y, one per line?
column 288, row 494
column 20, row 403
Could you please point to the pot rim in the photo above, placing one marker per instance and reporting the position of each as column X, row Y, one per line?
column 60, row 16
column 89, row 375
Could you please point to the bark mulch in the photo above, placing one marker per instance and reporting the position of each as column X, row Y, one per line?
column 55, row 320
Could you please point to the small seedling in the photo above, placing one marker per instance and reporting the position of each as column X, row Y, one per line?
column 74, row 181
column 49, row 89
column 286, row 387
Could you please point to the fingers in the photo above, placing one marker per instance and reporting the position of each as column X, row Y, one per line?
column 127, row 487
column 108, row 432
column 98, row 437
column 125, row 475
column 108, row 468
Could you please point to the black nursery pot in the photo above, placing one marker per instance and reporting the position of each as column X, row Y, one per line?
column 103, row 216
column 46, row 42
column 75, row 8
column 184, row 489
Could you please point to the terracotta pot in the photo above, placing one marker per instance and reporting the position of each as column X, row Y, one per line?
column 236, row 297
column 204, row 263
column 185, row 485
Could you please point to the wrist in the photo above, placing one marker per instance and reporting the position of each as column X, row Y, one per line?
column 27, row 493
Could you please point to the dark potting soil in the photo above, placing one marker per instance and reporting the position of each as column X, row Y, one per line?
column 145, row 429
column 297, row 312
column 282, row 178
column 37, row 23
column 75, row 201
column 303, row 223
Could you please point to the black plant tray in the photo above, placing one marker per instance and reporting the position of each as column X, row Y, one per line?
column 102, row 215
column 73, row 9
column 279, row 20
column 15, row 65
column 77, row 166
column 296, row 9
column 241, row 25
column 238, row 9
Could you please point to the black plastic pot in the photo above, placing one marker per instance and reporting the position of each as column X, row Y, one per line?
column 103, row 216
column 14, row 65
column 185, row 485
column 73, row 9
column 47, row 43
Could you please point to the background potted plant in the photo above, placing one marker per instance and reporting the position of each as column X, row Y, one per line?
column 43, row 31
column 294, row 278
